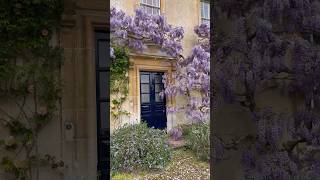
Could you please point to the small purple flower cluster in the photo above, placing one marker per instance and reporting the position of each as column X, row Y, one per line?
column 176, row 133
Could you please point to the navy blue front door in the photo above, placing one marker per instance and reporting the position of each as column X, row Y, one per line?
column 153, row 107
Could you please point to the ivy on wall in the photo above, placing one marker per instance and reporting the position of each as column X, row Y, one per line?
column 29, row 82
column 119, row 81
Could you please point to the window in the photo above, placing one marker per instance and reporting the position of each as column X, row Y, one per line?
column 205, row 12
column 151, row 6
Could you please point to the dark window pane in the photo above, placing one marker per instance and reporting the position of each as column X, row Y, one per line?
column 206, row 11
column 103, row 50
column 158, row 87
column 202, row 11
column 144, row 79
column 145, row 88
column 158, row 79
column 103, row 150
column 145, row 98
column 158, row 98
column 103, row 86
column 104, row 115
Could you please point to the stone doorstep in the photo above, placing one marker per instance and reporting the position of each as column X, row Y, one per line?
column 176, row 143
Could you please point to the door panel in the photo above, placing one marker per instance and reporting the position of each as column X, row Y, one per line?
column 103, row 103
column 153, row 107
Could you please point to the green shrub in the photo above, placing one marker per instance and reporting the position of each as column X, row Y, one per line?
column 137, row 147
column 186, row 129
column 198, row 140
column 123, row 176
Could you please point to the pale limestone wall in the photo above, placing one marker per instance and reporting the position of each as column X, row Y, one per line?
column 185, row 13
column 127, row 6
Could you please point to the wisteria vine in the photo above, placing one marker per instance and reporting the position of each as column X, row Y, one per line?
column 272, row 43
column 192, row 73
column 135, row 32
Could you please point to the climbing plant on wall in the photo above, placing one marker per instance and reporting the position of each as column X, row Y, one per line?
column 132, row 33
column 119, row 81
column 263, row 46
column 192, row 73
column 29, row 82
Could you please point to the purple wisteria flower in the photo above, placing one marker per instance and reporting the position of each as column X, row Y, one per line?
column 193, row 74
column 136, row 31
column 176, row 133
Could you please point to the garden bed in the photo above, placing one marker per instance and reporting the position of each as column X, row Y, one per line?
column 184, row 165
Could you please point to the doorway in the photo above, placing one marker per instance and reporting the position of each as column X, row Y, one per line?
column 103, row 102
column 153, row 106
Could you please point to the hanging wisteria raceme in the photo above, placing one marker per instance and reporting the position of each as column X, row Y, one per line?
column 193, row 75
column 272, row 44
column 135, row 32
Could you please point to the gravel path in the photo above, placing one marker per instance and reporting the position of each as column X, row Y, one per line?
column 184, row 166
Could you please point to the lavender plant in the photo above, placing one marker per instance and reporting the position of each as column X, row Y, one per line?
column 137, row 147
column 271, row 43
column 198, row 140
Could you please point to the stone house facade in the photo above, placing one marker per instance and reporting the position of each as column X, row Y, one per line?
column 140, row 102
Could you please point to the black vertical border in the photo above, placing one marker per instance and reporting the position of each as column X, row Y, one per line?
column 212, row 15
column 105, row 167
column 103, row 134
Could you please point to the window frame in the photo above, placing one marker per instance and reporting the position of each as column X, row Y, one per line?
column 204, row 19
column 144, row 3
